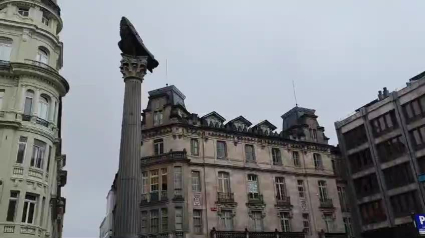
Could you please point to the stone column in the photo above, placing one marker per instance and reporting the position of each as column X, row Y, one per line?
column 127, row 212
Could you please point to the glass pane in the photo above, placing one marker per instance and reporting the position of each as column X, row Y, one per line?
column 24, row 212
column 416, row 109
column 28, row 106
column 31, row 213
column 11, row 211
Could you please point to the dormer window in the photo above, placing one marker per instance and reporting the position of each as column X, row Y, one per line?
column 25, row 12
column 157, row 118
column 45, row 20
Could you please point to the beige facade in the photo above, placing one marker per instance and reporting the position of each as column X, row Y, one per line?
column 199, row 173
column 31, row 91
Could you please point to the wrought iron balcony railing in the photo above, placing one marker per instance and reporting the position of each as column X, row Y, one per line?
column 255, row 198
column 157, row 196
column 283, row 201
column 225, row 197
column 42, row 122
column 171, row 156
column 40, row 64
column 326, row 203
column 178, row 194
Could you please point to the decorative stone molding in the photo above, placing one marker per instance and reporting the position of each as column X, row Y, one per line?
column 250, row 211
column 133, row 66
column 290, row 213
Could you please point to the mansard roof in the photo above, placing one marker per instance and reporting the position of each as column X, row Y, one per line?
column 242, row 119
column 267, row 124
column 174, row 95
column 216, row 115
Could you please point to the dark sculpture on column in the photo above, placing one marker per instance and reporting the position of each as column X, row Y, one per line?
column 136, row 59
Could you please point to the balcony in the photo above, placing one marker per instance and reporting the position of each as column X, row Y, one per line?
column 158, row 196
column 247, row 234
column 283, row 202
column 40, row 64
column 42, row 122
column 178, row 194
column 255, row 198
column 326, row 203
column 225, row 198
column 164, row 158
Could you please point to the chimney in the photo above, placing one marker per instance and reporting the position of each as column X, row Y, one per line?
column 386, row 93
column 380, row 96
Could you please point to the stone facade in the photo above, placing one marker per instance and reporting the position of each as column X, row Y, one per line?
column 383, row 149
column 200, row 173
column 31, row 91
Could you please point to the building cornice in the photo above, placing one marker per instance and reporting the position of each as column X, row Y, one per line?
column 240, row 136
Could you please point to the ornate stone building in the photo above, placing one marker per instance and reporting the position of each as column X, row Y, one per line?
column 31, row 91
column 199, row 173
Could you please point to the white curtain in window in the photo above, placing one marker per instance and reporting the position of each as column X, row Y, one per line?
column 43, row 108
column 42, row 56
column 5, row 49
column 29, row 95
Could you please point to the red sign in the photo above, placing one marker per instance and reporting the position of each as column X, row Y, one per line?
column 214, row 209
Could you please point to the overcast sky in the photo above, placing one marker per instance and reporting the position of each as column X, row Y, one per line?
column 237, row 57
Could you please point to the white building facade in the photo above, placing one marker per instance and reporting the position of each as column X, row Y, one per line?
column 31, row 91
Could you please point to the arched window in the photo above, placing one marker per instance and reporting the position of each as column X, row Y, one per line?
column 5, row 49
column 43, row 55
column 29, row 96
column 43, row 107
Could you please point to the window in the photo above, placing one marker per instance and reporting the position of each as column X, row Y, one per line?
column 257, row 221
column 43, row 107
column 249, row 153
column 296, row 158
column 13, row 206
column 1, row 98
column 285, row 221
column 384, row 123
column 22, row 145
column 157, row 118
column 391, row 149
column 306, row 223
column 355, row 137
column 323, row 191
column 313, row 134
column 145, row 183
column 366, row 185
column 158, row 146
column 360, row 160
column 38, row 152
column 196, row 181
column 226, row 220
column 24, row 11
column 317, row 161
column 179, row 219
column 42, row 55
column 372, row 212
column 418, row 137
column 329, row 222
column 194, row 147
column 348, row 227
column 414, row 109
column 253, row 192
column 342, row 198
column 280, row 188
column 45, row 20
column 164, row 220
column 197, row 221
column 405, row 204
column 223, row 182
column 28, row 214
column 154, row 181
column 29, row 95
column 399, row 175
column 5, row 49
column 277, row 159
column 164, row 179
column 221, row 150
column 178, row 183
column 154, row 221
column 48, row 158
column 301, row 190
column 144, row 222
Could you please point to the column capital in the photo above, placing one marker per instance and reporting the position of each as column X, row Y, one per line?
column 133, row 66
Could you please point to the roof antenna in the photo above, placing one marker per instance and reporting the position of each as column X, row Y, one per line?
column 295, row 94
column 166, row 72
